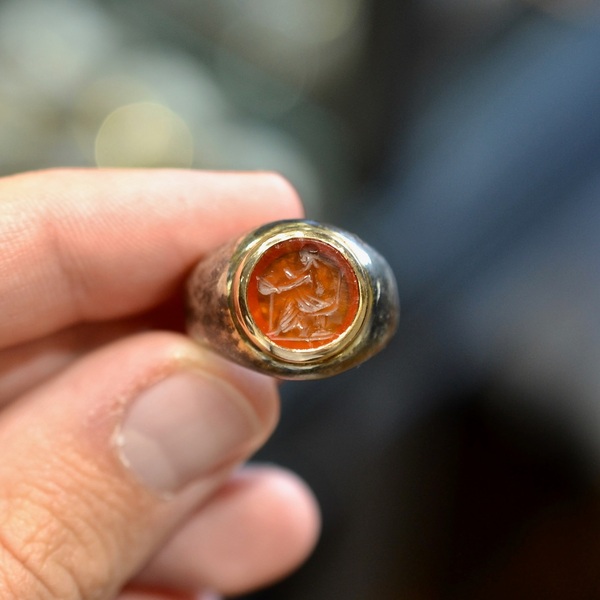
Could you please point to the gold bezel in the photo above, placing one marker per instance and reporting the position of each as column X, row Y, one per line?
column 246, row 257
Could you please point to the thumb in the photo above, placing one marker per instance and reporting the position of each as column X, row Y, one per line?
column 103, row 463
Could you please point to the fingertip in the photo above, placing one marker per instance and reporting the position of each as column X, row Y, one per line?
column 255, row 530
column 281, row 188
column 290, row 499
column 193, row 420
column 267, row 522
column 261, row 391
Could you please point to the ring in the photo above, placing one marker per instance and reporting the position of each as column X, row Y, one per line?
column 295, row 299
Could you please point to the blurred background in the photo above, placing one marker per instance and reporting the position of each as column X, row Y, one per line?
column 459, row 137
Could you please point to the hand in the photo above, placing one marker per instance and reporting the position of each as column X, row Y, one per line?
column 119, row 441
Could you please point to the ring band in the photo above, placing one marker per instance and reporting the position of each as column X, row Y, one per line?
column 294, row 299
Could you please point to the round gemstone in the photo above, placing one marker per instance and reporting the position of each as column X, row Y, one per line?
column 302, row 294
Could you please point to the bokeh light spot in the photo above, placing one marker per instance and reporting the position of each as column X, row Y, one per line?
column 143, row 134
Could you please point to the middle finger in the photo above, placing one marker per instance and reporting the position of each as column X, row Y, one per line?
column 27, row 365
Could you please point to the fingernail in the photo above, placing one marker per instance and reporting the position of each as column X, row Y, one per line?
column 184, row 427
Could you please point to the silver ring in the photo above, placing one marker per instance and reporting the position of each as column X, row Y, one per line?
column 294, row 299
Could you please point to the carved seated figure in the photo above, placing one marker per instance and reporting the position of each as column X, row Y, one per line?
column 304, row 294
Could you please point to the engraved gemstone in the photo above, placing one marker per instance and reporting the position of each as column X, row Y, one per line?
column 302, row 294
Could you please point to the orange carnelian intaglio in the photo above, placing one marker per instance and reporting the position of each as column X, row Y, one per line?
column 302, row 294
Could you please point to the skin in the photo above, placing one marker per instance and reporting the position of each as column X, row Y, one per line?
column 91, row 271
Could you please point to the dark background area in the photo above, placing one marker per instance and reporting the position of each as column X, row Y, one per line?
column 459, row 137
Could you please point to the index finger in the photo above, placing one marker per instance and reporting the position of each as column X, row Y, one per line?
column 84, row 245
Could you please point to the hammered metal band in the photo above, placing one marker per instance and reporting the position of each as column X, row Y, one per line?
column 294, row 299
